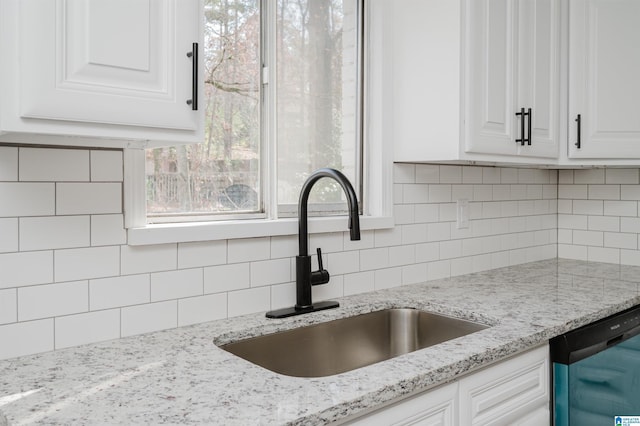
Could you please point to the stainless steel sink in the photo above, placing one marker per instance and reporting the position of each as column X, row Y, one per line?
column 346, row 344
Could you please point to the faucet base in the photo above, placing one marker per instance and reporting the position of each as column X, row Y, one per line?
column 292, row 311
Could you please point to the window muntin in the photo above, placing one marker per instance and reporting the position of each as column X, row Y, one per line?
column 315, row 82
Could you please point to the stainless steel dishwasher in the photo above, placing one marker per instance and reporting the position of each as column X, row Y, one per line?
column 596, row 372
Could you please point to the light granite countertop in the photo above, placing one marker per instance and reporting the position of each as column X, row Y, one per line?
column 179, row 376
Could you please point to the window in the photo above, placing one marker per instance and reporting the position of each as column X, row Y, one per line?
column 283, row 98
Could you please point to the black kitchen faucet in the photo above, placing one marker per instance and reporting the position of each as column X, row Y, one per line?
column 305, row 278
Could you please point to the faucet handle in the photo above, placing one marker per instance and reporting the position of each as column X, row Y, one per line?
column 319, row 252
column 321, row 276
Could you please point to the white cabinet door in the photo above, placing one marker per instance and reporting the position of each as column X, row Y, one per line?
column 437, row 407
column 539, row 74
column 105, row 69
column 513, row 77
column 491, row 61
column 515, row 391
column 604, row 88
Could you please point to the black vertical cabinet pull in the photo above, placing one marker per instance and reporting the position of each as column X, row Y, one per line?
column 523, row 116
column 579, row 125
column 194, row 77
column 529, row 127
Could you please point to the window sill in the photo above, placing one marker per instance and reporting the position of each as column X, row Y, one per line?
column 224, row 230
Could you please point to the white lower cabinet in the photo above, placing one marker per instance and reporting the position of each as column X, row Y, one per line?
column 511, row 392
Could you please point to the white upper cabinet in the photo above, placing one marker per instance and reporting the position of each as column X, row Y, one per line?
column 463, row 71
column 101, row 73
column 604, row 83
column 513, row 77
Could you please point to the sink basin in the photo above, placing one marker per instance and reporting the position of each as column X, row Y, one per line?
column 346, row 344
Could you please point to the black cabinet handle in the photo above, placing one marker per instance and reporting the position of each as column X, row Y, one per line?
column 529, row 127
column 579, row 125
column 194, row 77
column 523, row 115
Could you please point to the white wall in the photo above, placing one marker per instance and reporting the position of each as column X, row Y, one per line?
column 67, row 276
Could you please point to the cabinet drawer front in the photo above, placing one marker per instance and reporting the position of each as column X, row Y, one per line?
column 503, row 393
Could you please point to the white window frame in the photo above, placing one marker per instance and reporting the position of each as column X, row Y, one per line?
column 377, row 169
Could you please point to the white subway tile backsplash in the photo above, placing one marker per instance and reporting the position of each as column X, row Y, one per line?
column 8, row 164
column 52, row 300
column 25, row 338
column 284, row 295
column 152, row 258
column 358, row 283
column 482, row 192
column 439, row 193
column 630, row 192
column 460, row 192
column 249, row 301
column 403, row 214
column 516, row 215
column 603, row 254
column 270, row 272
column 88, row 198
column 427, row 173
column 416, row 193
column 439, row 269
column 282, row 246
column 575, row 192
column 508, row 175
column 426, row 213
column 404, row 173
column 195, row 310
column 227, row 278
column 83, row 263
column 588, row 207
column 402, row 255
column 388, row 237
column 8, row 235
column 622, row 176
column 588, row 176
column 438, row 232
column 51, row 165
column 490, row 175
column 621, row 240
column 566, row 177
column 107, row 293
column 450, row 174
column 176, row 284
column 630, row 224
column 8, row 305
column 248, row 249
column 147, row 318
column 54, row 232
column 387, row 278
column 621, row 208
column 27, row 199
column 28, row 268
column 604, row 223
column 206, row 253
column 588, row 238
column 374, row 259
column 604, row 192
column 106, row 166
column 472, row 174
column 107, row 230
column 80, row 329
column 416, row 273
column 630, row 257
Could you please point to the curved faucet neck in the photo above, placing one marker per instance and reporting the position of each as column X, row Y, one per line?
column 352, row 201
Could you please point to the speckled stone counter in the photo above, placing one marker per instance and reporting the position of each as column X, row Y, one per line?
column 179, row 376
